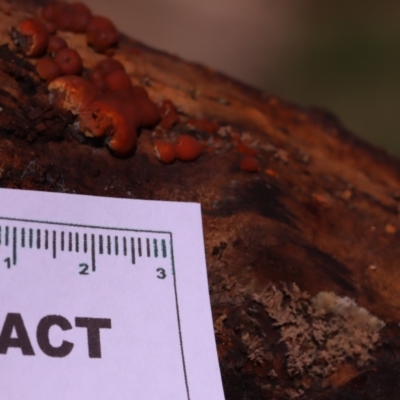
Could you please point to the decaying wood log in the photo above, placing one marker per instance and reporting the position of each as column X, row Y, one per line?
column 302, row 254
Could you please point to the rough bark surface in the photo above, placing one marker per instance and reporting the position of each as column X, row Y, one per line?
column 322, row 213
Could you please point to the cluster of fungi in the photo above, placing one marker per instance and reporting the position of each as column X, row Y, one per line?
column 105, row 103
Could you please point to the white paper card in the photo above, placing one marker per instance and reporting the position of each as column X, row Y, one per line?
column 103, row 299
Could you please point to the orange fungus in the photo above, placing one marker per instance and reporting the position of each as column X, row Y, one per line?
column 31, row 36
column 56, row 43
column 188, row 148
column 69, row 61
column 165, row 151
column 101, row 34
column 48, row 69
column 71, row 93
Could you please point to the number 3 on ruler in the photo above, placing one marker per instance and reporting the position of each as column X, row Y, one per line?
column 161, row 273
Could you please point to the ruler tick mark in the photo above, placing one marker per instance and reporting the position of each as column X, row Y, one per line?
column 125, row 249
column 93, row 254
column 155, row 248
column 140, row 247
column 133, row 250
column 54, row 244
column 116, row 245
column 148, row 247
column 23, row 237
column 100, row 244
column 108, row 244
column 38, row 238
column 14, row 246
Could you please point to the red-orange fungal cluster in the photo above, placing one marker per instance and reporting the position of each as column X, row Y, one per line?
column 73, row 17
column 186, row 148
column 107, row 105
column 104, row 100
column 101, row 33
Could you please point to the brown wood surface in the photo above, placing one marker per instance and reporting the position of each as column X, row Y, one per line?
column 322, row 213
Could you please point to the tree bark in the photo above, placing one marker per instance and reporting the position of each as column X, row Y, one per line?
column 322, row 213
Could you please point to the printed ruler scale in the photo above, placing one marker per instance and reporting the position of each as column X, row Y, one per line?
column 104, row 298
column 72, row 238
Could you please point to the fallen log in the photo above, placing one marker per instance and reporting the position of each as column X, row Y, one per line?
column 301, row 218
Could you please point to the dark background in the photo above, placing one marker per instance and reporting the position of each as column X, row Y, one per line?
column 340, row 55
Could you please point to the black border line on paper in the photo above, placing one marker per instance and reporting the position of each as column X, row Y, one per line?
column 131, row 230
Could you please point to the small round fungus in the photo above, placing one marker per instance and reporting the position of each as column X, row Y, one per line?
column 56, row 43
column 98, row 75
column 148, row 111
column 31, row 36
column 48, row 69
column 164, row 151
column 69, row 61
column 50, row 11
column 101, row 34
column 80, row 17
column 57, row 13
column 188, row 148
column 109, row 65
column 118, row 80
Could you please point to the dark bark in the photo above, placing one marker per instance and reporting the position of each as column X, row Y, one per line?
column 324, row 216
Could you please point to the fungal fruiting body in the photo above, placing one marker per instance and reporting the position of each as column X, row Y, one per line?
column 164, row 151
column 101, row 34
column 55, row 43
column 48, row 69
column 105, row 102
column 67, row 17
column 69, row 61
column 71, row 93
column 111, row 118
column 31, row 37
column 107, row 105
column 188, row 148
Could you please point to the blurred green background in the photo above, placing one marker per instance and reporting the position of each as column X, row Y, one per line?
column 349, row 63
column 343, row 56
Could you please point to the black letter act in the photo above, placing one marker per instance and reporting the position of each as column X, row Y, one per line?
column 14, row 334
